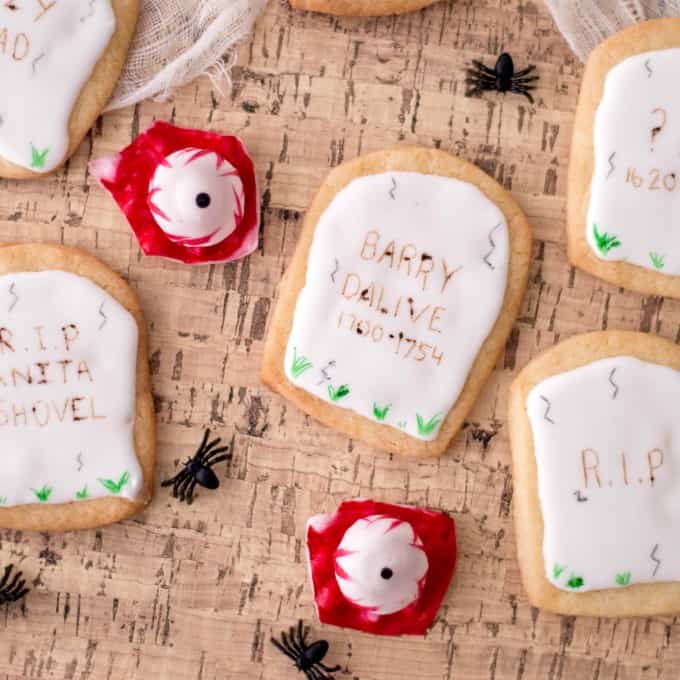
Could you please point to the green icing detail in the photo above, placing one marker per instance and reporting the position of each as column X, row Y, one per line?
column 38, row 157
column 658, row 261
column 558, row 569
column 427, row 427
column 402, row 424
column 299, row 365
column 43, row 494
column 82, row 494
column 623, row 579
column 115, row 487
column 3, row 500
column 337, row 393
column 575, row 582
column 380, row 413
column 605, row 242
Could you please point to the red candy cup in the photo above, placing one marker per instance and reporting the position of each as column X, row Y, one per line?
column 127, row 175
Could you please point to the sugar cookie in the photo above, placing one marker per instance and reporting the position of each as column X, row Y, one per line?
column 624, row 172
column 596, row 457
column 59, row 63
column 403, row 289
column 77, row 432
column 365, row 8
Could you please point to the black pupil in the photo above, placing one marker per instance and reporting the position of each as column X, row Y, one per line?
column 203, row 200
column 387, row 573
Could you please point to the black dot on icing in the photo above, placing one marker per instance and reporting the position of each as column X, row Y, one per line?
column 202, row 200
column 386, row 573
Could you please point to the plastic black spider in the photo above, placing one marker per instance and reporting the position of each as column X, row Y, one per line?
column 12, row 589
column 197, row 470
column 501, row 78
column 307, row 657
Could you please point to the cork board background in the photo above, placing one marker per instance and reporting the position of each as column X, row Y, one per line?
column 195, row 592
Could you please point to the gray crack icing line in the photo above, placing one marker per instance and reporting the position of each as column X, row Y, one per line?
column 15, row 296
column 104, row 317
column 612, row 167
column 324, row 373
column 548, row 406
column 336, row 270
column 90, row 14
column 79, row 458
column 34, row 63
column 393, row 189
column 613, row 384
column 654, row 558
column 492, row 243
column 649, row 69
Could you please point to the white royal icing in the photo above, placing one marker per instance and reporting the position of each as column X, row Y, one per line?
column 48, row 50
column 68, row 356
column 196, row 197
column 635, row 189
column 607, row 444
column 442, row 290
column 380, row 564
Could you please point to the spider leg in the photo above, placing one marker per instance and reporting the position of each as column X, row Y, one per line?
column 525, row 71
column 181, row 488
column 524, row 81
column 478, row 89
column 318, row 674
column 283, row 649
column 291, row 642
column 179, row 482
column 524, row 91
column 483, row 67
column 17, row 590
column 5, row 577
column 173, row 480
column 334, row 669
column 208, row 449
column 201, row 449
column 214, row 453
column 189, row 493
column 477, row 78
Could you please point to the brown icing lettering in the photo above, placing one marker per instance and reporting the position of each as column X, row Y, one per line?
column 654, row 462
column 5, row 340
column 71, row 333
column 590, row 462
column 45, row 6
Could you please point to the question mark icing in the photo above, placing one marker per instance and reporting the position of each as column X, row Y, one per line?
column 656, row 130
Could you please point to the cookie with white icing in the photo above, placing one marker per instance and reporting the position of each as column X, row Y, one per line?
column 59, row 63
column 364, row 8
column 596, row 465
column 77, row 426
column 624, row 174
column 404, row 287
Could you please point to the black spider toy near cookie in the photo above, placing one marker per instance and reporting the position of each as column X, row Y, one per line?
column 198, row 470
column 307, row 657
column 502, row 78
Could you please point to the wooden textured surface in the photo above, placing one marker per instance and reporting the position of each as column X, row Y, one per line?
column 194, row 592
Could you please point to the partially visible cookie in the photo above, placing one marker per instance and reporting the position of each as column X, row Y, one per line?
column 59, row 63
column 404, row 287
column 624, row 172
column 596, row 467
column 364, row 8
column 77, row 425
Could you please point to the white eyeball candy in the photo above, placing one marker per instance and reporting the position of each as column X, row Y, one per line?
column 196, row 197
column 380, row 564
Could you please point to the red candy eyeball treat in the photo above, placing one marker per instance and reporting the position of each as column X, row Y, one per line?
column 381, row 568
column 188, row 195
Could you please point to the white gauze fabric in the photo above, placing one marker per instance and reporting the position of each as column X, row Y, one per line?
column 586, row 23
column 178, row 40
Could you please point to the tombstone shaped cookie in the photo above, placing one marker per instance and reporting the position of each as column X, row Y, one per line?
column 596, row 456
column 77, row 434
column 59, row 63
column 379, row 567
column 404, row 287
column 366, row 8
column 624, row 174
